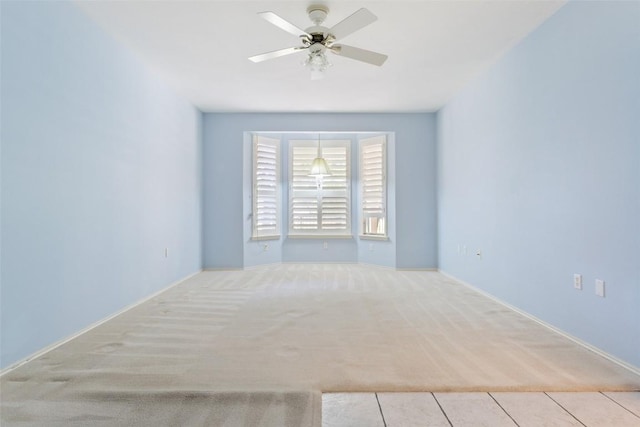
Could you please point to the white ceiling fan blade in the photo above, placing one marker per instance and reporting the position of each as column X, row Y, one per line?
column 358, row 54
column 283, row 24
column 359, row 19
column 275, row 54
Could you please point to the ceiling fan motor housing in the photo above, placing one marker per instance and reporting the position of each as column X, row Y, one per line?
column 317, row 13
column 318, row 35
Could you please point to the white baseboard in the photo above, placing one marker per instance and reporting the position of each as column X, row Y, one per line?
column 272, row 264
column 90, row 327
column 319, row 262
column 592, row 348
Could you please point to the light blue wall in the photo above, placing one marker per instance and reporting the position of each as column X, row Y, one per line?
column 226, row 189
column 101, row 170
column 539, row 168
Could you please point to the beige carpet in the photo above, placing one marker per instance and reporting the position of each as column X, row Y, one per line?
column 263, row 343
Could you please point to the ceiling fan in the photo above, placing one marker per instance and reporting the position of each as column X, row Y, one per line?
column 318, row 39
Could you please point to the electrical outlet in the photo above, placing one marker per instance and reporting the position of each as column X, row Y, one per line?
column 265, row 247
column 600, row 288
column 577, row 281
column 166, row 252
column 371, row 247
column 325, row 246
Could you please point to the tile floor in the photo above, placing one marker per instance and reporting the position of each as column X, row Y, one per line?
column 481, row 409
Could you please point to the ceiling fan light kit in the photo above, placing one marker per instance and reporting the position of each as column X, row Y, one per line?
column 317, row 62
column 318, row 39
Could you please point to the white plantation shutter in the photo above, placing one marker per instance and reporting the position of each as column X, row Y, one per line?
column 302, row 190
column 266, row 188
column 324, row 210
column 373, row 186
column 336, row 190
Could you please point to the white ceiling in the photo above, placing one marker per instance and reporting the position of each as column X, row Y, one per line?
column 434, row 48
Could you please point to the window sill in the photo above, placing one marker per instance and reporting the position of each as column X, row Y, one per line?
column 273, row 237
column 320, row 236
column 373, row 237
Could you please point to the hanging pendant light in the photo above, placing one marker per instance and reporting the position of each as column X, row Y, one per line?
column 319, row 166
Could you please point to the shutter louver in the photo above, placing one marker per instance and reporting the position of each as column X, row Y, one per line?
column 302, row 159
column 334, row 213
column 373, row 186
column 266, row 197
column 305, row 213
